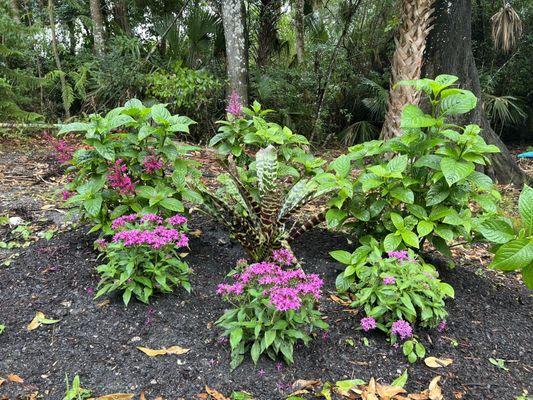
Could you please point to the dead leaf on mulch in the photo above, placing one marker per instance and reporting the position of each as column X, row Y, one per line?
column 196, row 233
column 15, row 378
column 434, row 362
column 435, row 391
column 340, row 301
column 177, row 350
column 2, row 380
column 114, row 396
column 103, row 303
column 215, row 394
column 301, row 384
column 40, row 319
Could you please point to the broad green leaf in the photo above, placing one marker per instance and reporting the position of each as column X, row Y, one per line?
column 145, row 131
column 525, row 207
column 235, row 337
column 460, row 102
column 514, row 255
column 410, row 238
column 401, row 380
column 397, row 220
column 527, row 276
column 391, row 242
column 342, row 256
column 454, row 170
column 256, row 351
column 172, row 204
column 403, row 194
column 93, row 206
column 398, row 163
column 341, row 165
column 437, row 194
column 105, row 150
column 497, row 231
column 270, row 336
column 334, row 217
column 424, row 228
column 414, row 117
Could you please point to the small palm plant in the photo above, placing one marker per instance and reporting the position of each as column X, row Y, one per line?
column 258, row 205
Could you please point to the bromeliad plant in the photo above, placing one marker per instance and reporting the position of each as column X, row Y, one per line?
column 273, row 309
column 422, row 186
column 396, row 292
column 257, row 204
column 131, row 162
column 143, row 256
column 513, row 243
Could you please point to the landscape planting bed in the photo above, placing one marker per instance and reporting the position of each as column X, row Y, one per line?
column 491, row 317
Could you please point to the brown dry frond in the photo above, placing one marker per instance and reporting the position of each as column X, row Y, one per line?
column 506, row 29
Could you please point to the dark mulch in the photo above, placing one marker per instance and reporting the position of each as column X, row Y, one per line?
column 488, row 319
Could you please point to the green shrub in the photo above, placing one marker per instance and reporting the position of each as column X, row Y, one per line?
column 513, row 244
column 398, row 286
column 183, row 88
column 131, row 162
column 421, row 186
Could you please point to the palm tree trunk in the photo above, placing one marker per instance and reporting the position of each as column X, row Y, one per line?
column 98, row 27
column 120, row 13
column 299, row 29
column 56, row 57
column 450, row 52
column 236, row 54
column 407, row 61
column 269, row 13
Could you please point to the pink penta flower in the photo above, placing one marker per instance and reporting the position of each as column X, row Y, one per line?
column 399, row 255
column 402, row 328
column 177, row 220
column 442, row 326
column 283, row 256
column 389, row 280
column 368, row 323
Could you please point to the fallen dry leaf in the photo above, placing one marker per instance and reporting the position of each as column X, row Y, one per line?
column 420, row 396
column 115, row 396
column 457, row 394
column 177, row 350
column 2, row 380
column 142, row 396
column 389, row 391
column 338, row 300
column 196, row 233
column 301, row 384
column 15, row 378
column 215, row 394
column 103, row 303
column 435, row 392
column 202, row 396
column 39, row 320
column 434, row 362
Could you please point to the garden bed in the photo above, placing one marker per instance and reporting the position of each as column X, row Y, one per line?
column 491, row 317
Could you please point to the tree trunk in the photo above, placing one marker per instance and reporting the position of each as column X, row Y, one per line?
column 269, row 13
column 98, row 27
column 449, row 51
column 299, row 29
column 15, row 11
column 120, row 13
column 407, row 61
column 72, row 37
column 56, row 57
column 236, row 54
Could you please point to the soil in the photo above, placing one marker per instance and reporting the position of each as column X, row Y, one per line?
column 490, row 317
